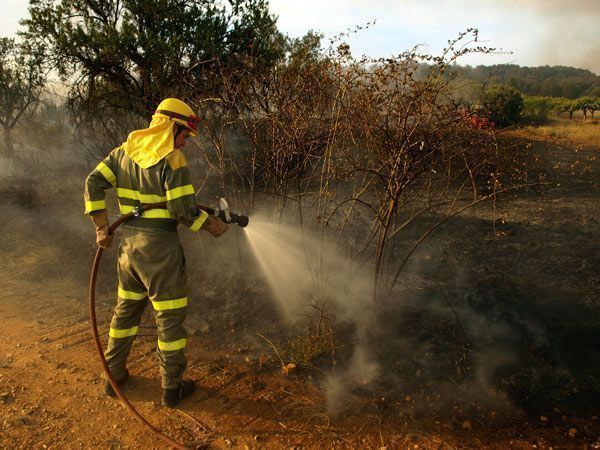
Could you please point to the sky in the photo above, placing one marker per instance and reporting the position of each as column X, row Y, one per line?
column 537, row 32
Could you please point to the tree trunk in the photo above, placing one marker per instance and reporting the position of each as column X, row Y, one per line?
column 9, row 149
column 570, row 114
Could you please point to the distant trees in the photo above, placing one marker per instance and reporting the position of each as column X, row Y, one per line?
column 536, row 109
column 556, row 81
column 586, row 104
column 550, row 88
column 21, row 83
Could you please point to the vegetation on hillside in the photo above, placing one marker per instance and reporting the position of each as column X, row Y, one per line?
column 547, row 81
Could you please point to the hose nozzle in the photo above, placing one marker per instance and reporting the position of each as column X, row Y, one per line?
column 223, row 214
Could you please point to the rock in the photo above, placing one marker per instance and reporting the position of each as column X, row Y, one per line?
column 5, row 363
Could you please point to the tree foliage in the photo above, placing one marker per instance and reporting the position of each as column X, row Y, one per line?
column 128, row 55
column 21, row 83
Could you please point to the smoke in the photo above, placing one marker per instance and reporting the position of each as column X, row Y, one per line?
column 403, row 341
column 361, row 371
column 300, row 268
column 537, row 32
column 569, row 32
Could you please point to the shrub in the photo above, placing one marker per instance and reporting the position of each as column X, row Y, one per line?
column 504, row 104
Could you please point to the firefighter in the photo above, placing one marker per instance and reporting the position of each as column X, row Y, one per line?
column 150, row 168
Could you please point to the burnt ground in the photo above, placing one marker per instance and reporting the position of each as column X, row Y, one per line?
column 535, row 275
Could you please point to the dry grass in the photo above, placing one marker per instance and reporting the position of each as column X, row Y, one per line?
column 576, row 131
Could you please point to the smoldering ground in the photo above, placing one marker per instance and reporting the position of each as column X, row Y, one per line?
column 450, row 335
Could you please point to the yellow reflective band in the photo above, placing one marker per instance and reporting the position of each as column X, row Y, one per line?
column 150, row 214
column 174, row 193
column 163, row 305
column 199, row 221
column 114, row 333
column 107, row 173
column 137, row 195
column 157, row 214
column 129, row 295
column 171, row 346
column 95, row 206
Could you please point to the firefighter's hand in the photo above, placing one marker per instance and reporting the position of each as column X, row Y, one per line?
column 100, row 219
column 214, row 226
column 103, row 239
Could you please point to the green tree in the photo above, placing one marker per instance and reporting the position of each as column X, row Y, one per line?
column 586, row 104
column 561, row 105
column 21, row 83
column 128, row 55
column 504, row 105
column 536, row 109
column 594, row 105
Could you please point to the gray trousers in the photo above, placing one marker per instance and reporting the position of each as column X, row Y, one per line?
column 150, row 268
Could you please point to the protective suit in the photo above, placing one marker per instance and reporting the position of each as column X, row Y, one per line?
column 147, row 168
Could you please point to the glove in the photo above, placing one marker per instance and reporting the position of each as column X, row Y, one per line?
column 103, row 239
column 214, row 226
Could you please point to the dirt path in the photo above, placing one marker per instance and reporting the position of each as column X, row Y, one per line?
column 51, row 395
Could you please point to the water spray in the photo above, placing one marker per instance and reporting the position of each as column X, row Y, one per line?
column 222, row 213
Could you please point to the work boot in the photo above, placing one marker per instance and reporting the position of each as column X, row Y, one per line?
column 108, row 389
column 172, row 397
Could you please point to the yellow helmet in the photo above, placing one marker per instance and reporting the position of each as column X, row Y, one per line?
column 179, row 112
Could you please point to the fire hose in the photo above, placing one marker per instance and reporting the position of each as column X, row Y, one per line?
column 221, row 213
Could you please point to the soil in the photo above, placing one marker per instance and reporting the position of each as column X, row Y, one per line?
column 51, row 390
column 52, row 397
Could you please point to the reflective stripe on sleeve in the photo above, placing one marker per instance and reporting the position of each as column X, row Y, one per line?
column 107, row 173
column 174, row 193
column 114, row 333
column 95, row 206
column 171, row 346
column 150, row 214
column 199, row 221
column 129, row 295
column 137, row 195
column 163, row 305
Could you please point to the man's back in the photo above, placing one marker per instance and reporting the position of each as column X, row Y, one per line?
column 166, row 181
